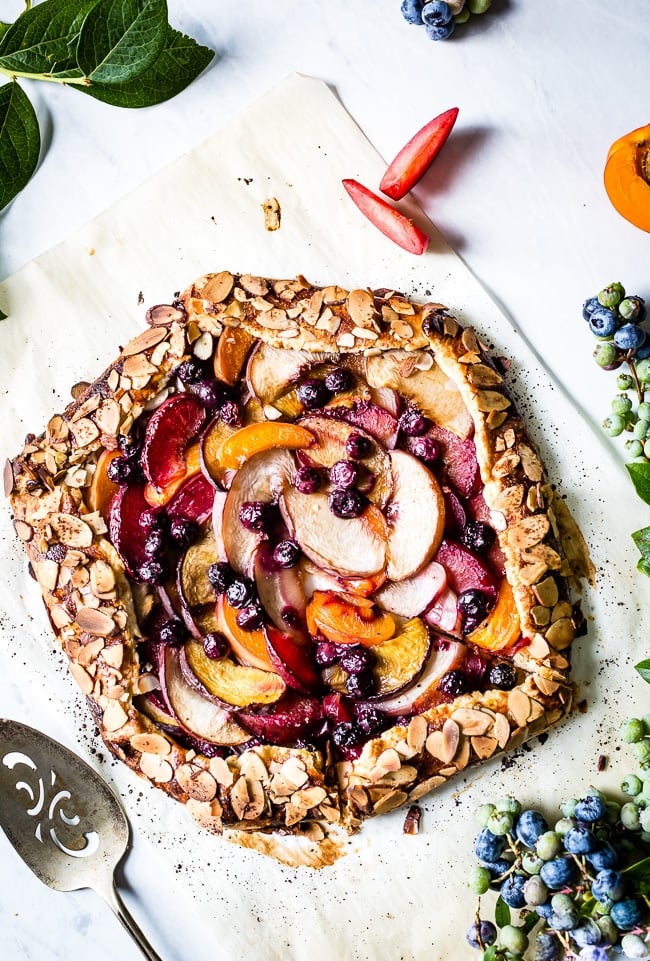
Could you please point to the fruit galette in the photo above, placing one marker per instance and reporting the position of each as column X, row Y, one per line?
column 303, row 558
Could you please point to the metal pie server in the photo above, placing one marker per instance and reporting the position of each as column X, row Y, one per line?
column 63, row 819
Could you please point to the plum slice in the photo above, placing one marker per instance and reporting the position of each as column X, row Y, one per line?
column 125, row 532
column 400, row 660
column 415, row 158
column 232, row 684
column 262, row 478
column 293, row 659
column 271, row 369
column 351, row 547
column 196, row 713
column 464, row 570
column 194, row 500
column 374, row 420
column 249, row 647
column 444, row 614
column 280, row 592
column 416, row 516
column 459, row 459
column 331, row 436
column 431, row 390
column 291, row 719
column 445, row 655
column 390, row 221
column 416, row 594
column 169, row 432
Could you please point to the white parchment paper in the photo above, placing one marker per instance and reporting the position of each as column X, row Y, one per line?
column 392, row 896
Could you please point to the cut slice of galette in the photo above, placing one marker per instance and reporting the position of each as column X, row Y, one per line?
column 301, row 553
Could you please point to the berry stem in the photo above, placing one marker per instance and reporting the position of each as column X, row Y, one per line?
column 640, row 393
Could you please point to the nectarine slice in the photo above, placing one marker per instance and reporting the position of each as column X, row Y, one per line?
column 501, row 628
column 102, row 488
column 231, row 354
column 249, row 647
column 348, row 620
column 158, row 498
column 255, row 438
column 627, row 177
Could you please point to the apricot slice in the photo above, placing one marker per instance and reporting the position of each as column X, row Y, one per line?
column 255, row 438
column 232, row 683
column 249, row 647
column 400, row 660
column 235, row 344
column 102, row 489
column 627, row 176
column 501, row 628
column 348, row 620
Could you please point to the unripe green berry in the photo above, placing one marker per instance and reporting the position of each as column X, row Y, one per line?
column 484, row 813
column 614, row 425
column 630, row 817
column 548, row 845
column 631, row 730
column 621, row 404
column 510, row 805
column 643, row 459
column 479, row 6
column 645, row 819
column 643, row 772
column 633, row 448
column 531, row 863
column 624, row 381
column 612, row 812
column 612, row 295
column 479, row 879
column 462, row 17
column 646, row 448
column 605, row 354
column 564, row 825
column 568, row 807
column 642, row 750
column 631, row 785
column 629, row 308
column 643, row 410
column 500, row 823
column 641, row 429
column 513, row 939
column 643, row 370
column 608, row 928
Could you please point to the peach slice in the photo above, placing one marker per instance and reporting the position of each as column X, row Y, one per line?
column 416, row 517
column 400, row 660
column 446, row 655
column 348, row 619
column 231, row 683
column 256, row 438
column 102, row 489
column 627, row 177
column 235, row 344
column 501, row 628
column 249, row 647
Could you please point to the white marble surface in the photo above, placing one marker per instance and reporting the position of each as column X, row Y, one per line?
column 543, row 89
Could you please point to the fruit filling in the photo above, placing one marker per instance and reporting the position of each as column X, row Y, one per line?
column 311, row 552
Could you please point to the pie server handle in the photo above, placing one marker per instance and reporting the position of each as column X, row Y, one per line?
column 111, row 895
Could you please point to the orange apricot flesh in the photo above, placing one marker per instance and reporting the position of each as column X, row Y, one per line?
column 255, row 438
column 627, row 177
column 348, row 619
column 501, row 628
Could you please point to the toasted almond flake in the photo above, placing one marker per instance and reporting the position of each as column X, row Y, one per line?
column 309, row 797
column 60, row 617
column 462, row 755
column 24, row 530
column 536, row 710
column 295, row 772
column 417, row 732
column 561, row 633
column 239, row 797
column 501, row 730
column 113, row 380
column 483, row 376
column 435, row 744
column 424, row 360
column 82, row 677
column 95, row 622
column 345, row 340
column 547, row 592
column 359, row 798
column 220, row 770
column 114, row 655
column 519, row 706
column 561, row 609
column 472, row 722
column 484, row 747
column 334, row 294
column 290, row 333
column 274, row 319
column 388, row 760
column 154, row 767
column 147, row 683
column 252, row 767
column 272, row 413
column 390, row 801
column 529, row 574
column 406, row 775
column 47, row 573
column 469, row 339
column 509, row 499
column 364, row 334
column 151, row 744
column 71, row 530
column 254, row 285
column 404, row 750
column 531, row 463
column 542, row 553
column 196, row 782
column 217, row 287
column 313, row 832
column 361, row 308
column 207, row 815
column 116, row 717
column 203, row 348
column 257, row 801
column 88, row 652
column 425, row 786
column 540, row 615
column 402, row 329
column 402, row 306
column 506, row 464
column 102, row 578
column 529, row 531
column 84, row 431
column 145, row 340
column 495, row 419
column 450, row 740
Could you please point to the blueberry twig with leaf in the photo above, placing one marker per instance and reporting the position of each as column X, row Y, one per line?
column 123, row 52
column 617, row 320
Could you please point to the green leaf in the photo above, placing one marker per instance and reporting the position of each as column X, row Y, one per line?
column 3, row 28
column 642, row 540
column 529, row 922
column 3, row 316
column 644, row 566
column 182, row 60
column 640, row 474
column 43, row 39
column 501, row 913
column 643, row 667
column 639, row 873
column 20, row 141
column 121, row 38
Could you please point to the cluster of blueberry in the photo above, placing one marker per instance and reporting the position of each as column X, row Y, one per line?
column 616, row 320
column 582, row 883
column 441, row 16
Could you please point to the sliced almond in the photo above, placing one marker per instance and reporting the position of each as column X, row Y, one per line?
column 390, row 801
column 114, row 655
column 472, row 722
column 116, row 717
column 144, row 341
column 155, row 767
column 425, row 786
column 501, row 730
column 417, row 732
column 361, row 308
column 519, row 706
column 222, row 773
column 95, row 622
column 450, row 740
column 151, row 744
column 71, row 530
column 196, row 782
column 218, row 287
column 82, row 677
column 484, row 747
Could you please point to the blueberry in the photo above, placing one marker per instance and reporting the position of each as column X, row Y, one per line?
column 544, row 910
column 347, row 734
column 413, row 423
column 369, row 719
column 153, row 542
column 240, row 593
column 590, row 808
column 502, row 676
column 412, row 11
column 530, row 825
column 489, row 847
column 626, row 914
column 558, row 873
column 338, row 380
column 425, row 448
column 254, row 515
column 121, row 469
column 436, row 12
column 512, row 890
column 215, row 645
column 229, row 413
column 547, row 948
column 579, row 840
column 441, row 32
column 358, row 447
column 453, row 683
column 313, row 393
column 307, row 480
column 360, row 685
column 603, row 322
column 629, row 337
column 221, row 576
column 326, row 654
column 151, row 572
column 473, row 603
column 589, row 306
column 190, row 372
column 478, row 537
column 250, row 617
column 603, row 857
column 211, row 393
column 346, row 503
column 643, row 353
column 183, row 531
column 358, row 660
column 498, row 868
column 286, row 554
column 587, row 933
column 481, row 934
column 607, row 886
column 129, row 446
column 150, row 518
column 172, row 631
column 343, row 474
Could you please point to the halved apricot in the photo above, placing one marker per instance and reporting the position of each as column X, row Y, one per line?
column 627, row 176
column 249, row 647
column 158, row 498
column 501, row 628
column 250, row 440
column 348, row 619
column 102, row 488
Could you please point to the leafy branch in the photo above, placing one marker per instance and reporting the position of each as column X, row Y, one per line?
column 640, row 475
column 122, row 52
